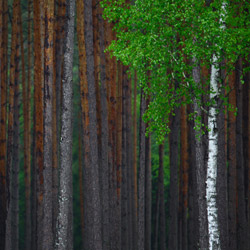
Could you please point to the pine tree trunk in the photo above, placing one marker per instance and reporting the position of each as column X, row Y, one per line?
column 221, row 185
column 3, row 126
column 134, row 173
column 26, row 115
column 125, row 164
column 119, row 141
column 245, row 133
column 10, row 167
column 241, row 212
column 193, row 223
column 148, row 190
column 141, row 186
column 104, row 174
column 80, row 171
column 184, row 177
column 200, row 171
column 129, row 162
column 135, row 142
column 232, row 165
column 64, row 221
column 162, row 217
column 174, row 194
column 38, row 105
column 92, row 204
column 15, row 163
column 48, row 238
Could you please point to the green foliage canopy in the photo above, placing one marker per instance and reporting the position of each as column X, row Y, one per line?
column 163, row 37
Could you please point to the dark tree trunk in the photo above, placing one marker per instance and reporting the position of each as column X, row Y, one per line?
column 119, row 143
column 80, row 172
column 241, row 211
column 232, row 165
column 134, row 173
column 38, row 126
column 48, row 239
column 245, row 133
column 141, row 186
column 184, row 178
column 104, row 174
column 200, row 171
column 174, row 193
column 11, row 167
column 92, row 204
column 162, row 217
column 148, row 191
column 193, row 222
column 221, row 183
column 64, row 221
column 125, row 164
column 15, row 164
column 3, row 124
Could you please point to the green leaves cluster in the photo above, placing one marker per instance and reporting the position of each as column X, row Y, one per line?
column 163, row 36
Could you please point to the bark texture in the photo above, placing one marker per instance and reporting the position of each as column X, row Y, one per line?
column 200, row 172
column 48, row 239
column 64, row 222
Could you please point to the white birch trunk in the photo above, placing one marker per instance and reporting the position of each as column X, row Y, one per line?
column 212, row 210
column 211, row 193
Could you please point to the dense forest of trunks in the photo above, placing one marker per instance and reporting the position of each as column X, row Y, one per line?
column 77, row 170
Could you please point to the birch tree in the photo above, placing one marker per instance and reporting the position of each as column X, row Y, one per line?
column 211, row 191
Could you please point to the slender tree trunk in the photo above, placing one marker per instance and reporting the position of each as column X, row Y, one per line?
column 211, row 192
column 28, row 209
column 64, row 221
column 221, row 185
column 48, row 238
column 38, row 102
column 148, row 190
column 15, row 163
column 96, row 42
column 104, row 174
column 26, row 115
column 141, row 186
column 174, row 194
column 80, row 171
column 248, row 177
column 241, row 212
column 119, row 141
column 184, row 163
column 130, row 177
column 3, row 114
column 193, row 222
column 135, row 142
column 125, row 161
column 200, row 171
column 10, row 167
column 92, row 204
column 134, row 170
column 232, row 165
column 162, row 217
column 245, row 132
